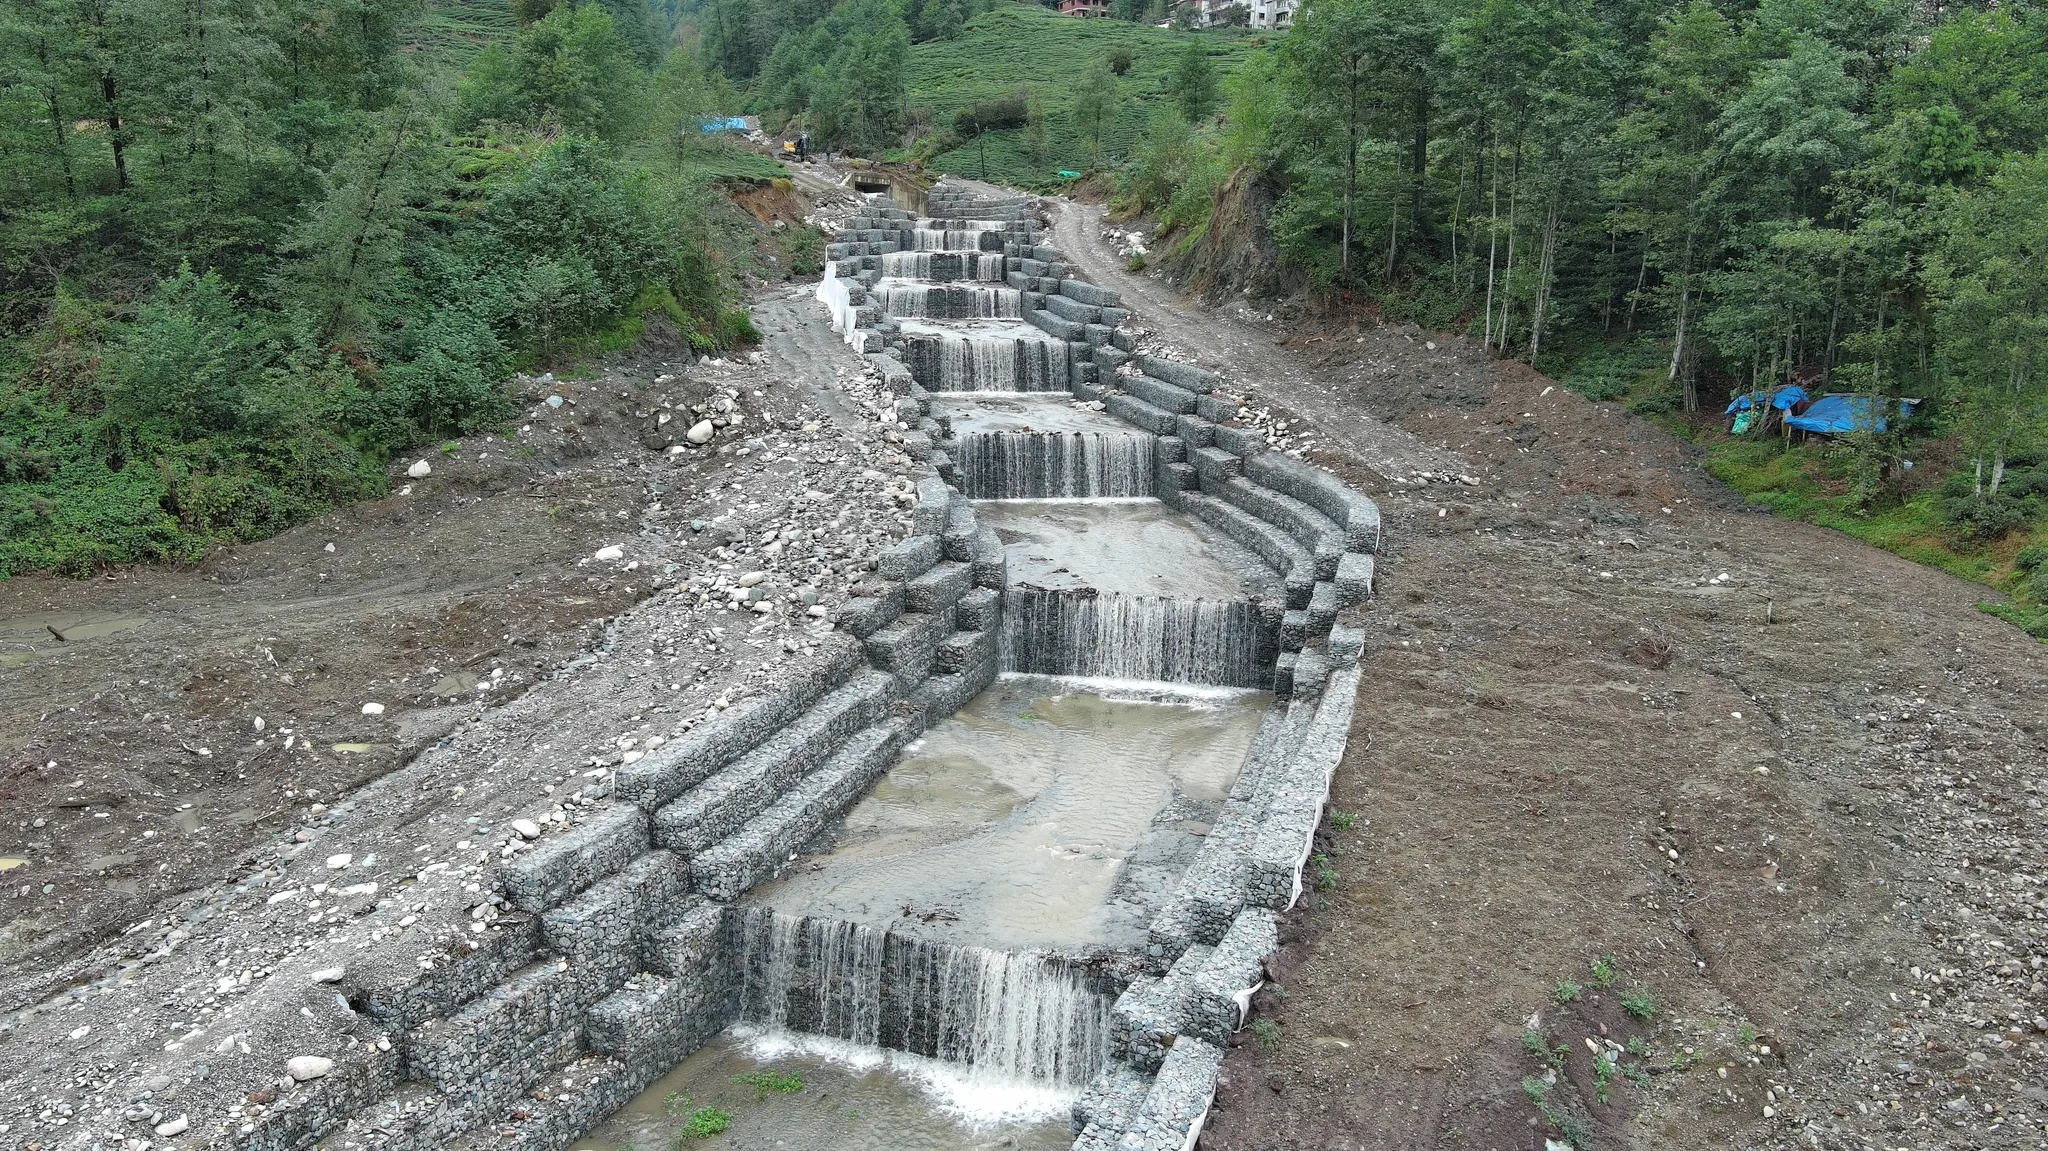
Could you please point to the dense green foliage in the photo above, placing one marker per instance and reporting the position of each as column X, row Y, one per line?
column 1672, row 202
column 252, row 250
column 1091, row 113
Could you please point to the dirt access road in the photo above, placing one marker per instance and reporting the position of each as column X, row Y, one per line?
column 1792, row 785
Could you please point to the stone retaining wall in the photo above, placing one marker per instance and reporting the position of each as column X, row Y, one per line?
column 617, row 959
column 1209, row 942
column 615, row 962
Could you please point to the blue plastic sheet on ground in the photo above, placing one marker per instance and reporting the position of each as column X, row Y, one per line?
column 1836, row 414
column 1782, row 399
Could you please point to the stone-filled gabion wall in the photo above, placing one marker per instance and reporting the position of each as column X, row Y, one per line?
column 617, row 962
column 619, row 959
column 1209, row 943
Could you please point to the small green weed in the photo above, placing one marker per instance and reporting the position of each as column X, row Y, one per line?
column 1536, row 1089
column 1567, row 991
column 1603, row 1076
column 1266, row 1033
column 1638, row 1046
column 1606, row 969
column 1636, row 1074
column 1747, row 1034
column 1326, row 876
column 450, row 448
column 1640, row 1003
column 705, row 1122
column 770, row 1080
column 1343, row 820
column 1534, row 1043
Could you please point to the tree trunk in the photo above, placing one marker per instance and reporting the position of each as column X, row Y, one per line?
column 362, row 233
column 1350, row 160
column 1492, row 249
column 1393, row 233
column 116, row 135
column 1418, row 165
column 1457, row 210
column 1507, row 273
column 63, row 147
column 1679, row 349
column 1635, row 297
column 1545, row 264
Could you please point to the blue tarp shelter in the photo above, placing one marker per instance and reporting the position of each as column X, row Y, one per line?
column 724, row 124
column 1838, row 414
column 1782, row 399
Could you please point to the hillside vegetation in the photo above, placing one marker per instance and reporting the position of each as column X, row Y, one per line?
column 251, row 253
column 1671, row 203
column 1020, row 45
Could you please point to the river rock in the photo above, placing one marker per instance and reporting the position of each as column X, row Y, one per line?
column 526, row 828
column 329, row 974
column 178, row 1126
column 609, row 553
column 699, row 433
column 305, row 1067
column 420, row 470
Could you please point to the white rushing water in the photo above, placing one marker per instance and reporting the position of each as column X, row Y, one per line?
column 1023, row 1017
column 943, row 266
column 947, row 301
column 976, row 362
column 956, row 239
column 1052, row 465
column 1089, row 632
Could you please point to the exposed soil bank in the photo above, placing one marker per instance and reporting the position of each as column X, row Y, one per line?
column 1815, row 834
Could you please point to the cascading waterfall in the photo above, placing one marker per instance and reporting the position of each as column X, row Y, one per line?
column 1087, row 632
column 956, row 239
column 947, row 301
column 1052, row 465
column 1006, row 1016
column 944, row 266
column 950, row 362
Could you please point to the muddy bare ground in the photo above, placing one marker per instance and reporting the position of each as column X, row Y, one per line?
column 146, row 747
column 1792, row 785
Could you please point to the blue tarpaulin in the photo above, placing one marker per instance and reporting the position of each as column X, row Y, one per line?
column 1833, row 415
column 724, row 124
column 1782, row 399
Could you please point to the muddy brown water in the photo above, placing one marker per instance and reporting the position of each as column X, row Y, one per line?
column 833, row 1096
column 1010, row 824
column 23, row 638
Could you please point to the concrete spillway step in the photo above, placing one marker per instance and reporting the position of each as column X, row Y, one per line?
column 759, row 849
column 722, row 803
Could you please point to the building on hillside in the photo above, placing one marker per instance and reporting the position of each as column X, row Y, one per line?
column 1084, row 8
column 1245, row 13
column 1273, row 13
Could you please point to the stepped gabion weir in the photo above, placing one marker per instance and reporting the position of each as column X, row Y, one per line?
column 985, row 362
column 1082, row 510
column 1021, row 1016
column 1052, row 465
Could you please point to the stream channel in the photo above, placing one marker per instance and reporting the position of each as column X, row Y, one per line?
column 939, row 971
